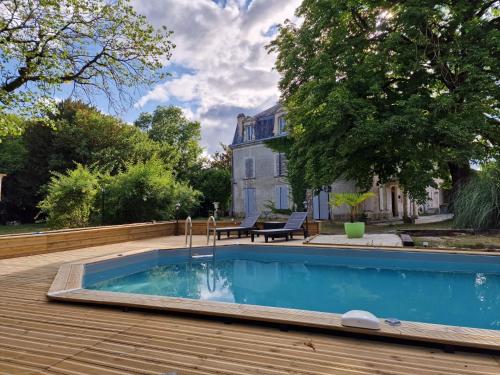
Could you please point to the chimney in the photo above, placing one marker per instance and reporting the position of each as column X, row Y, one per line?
column 241, row 119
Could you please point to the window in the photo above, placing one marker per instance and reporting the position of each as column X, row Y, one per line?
column 249, row 168
column 282, row 197
column 248, row 133
column 280, row 164
column 281, row 125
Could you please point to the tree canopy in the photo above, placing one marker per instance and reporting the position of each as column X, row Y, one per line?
column 155, row 165
column 399, row 90
column 179, row 138
column 93, row 47
column 214, row 181
column 81, row 134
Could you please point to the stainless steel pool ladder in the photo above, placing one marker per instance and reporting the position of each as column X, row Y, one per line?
column 188, row 225
column 214, row 229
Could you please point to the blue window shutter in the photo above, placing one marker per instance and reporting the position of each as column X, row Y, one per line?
column 284, row 197
column 249, row 199
column 281, row 197
column 283, row 165
column 249, row 168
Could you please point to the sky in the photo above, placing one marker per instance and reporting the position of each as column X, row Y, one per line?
column 220, row 66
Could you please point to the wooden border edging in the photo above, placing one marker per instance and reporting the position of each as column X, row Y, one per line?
column 68, row 286
column 12, row 246
column 53, row 241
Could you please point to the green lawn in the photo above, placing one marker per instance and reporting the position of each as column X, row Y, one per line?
column 338, row 228
column 463, row 241
column 23, row 228
column 487, row 241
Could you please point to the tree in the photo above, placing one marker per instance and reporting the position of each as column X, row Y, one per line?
column 392, row 89
column 71, row 198
column 215, row 185
column 85, row 135
column 222, row 159
column 82, row 135
column 90, row 46
column 213, row 179
column 146, row 191
column 141, row 192
column 179, row 138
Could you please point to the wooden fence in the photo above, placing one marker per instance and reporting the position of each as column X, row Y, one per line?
column 52, row 241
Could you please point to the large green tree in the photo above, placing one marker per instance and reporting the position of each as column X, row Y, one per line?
column 405, row 90
column 179, row 138
column 214, row 181
column 82, row 135
column 93, row 47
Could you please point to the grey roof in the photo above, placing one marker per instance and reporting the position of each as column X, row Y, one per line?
column 264, row 125
column 268, row 112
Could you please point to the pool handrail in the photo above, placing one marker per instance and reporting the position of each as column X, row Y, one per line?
column 214, row 228
column 188, row 224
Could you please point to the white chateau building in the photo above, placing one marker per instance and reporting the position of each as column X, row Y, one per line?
column 259, row 177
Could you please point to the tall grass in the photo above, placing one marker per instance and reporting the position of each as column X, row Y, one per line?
column 477, row 204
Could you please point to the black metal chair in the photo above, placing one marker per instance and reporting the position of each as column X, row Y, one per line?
column 246, row 226
column 294, row 224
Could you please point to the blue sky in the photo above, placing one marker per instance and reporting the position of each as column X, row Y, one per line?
column 220, row 67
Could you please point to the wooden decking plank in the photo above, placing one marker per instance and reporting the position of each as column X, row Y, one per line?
column 266, row 352
column 72, row 367
column 17, row 369
column 274, row 362
column 94, row 340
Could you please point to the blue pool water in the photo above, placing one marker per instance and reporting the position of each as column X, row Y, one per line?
column 460, row 290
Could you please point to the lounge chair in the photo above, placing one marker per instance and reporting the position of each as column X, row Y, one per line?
column 294, row 224
column 246, row 226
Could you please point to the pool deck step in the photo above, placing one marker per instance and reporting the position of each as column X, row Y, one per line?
column 407, row 240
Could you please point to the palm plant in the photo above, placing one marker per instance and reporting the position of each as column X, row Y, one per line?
column 353, row 200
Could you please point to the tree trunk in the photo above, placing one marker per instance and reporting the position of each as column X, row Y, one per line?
column 406, row 217
column 460, row 174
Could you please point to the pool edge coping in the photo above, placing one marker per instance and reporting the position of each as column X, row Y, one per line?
column 68, row 286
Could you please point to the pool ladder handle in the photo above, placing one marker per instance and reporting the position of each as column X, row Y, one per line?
column 214, row 229
column 188, row 225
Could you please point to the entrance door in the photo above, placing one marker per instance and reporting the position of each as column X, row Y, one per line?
column 321, row 209
column 249, row 200
column 394, row 202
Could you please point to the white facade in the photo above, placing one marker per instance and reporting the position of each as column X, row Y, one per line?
column 259, row 178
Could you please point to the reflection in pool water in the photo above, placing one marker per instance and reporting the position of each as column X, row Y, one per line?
column 407, row 289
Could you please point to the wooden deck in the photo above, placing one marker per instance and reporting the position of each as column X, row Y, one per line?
column 41, row 337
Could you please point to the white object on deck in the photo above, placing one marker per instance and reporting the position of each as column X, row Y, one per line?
column 360, row 319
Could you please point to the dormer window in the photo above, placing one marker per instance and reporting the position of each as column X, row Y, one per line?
column 248, row 133
column 281, row 125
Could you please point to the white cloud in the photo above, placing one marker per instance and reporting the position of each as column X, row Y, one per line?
column 223, row 49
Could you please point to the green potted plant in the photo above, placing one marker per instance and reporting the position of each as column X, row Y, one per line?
column 354, row 229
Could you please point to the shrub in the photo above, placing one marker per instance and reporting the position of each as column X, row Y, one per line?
column 146, row 191
column 70, row 198
column 215, row 184
column 477, row 203
column 269, row 205
column 353, row 200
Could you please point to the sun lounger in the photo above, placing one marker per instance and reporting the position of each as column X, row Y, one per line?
column 246, row 226
column 294, row 224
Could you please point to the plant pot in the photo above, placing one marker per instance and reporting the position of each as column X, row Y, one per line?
column 354, row 230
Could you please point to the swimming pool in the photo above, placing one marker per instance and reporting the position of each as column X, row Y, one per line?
column 439, row 288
